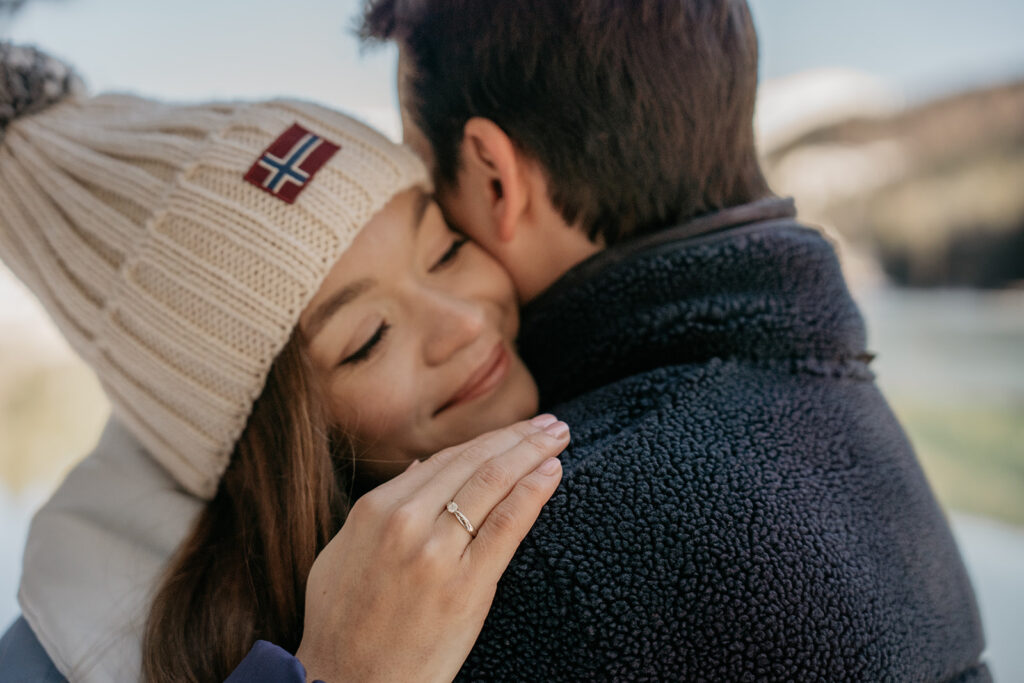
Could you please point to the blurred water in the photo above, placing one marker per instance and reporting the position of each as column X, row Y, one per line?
column 964, row 348
column 994, row 554
column 947, row 345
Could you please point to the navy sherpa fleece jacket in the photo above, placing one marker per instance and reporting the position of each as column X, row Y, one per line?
column 738, row 502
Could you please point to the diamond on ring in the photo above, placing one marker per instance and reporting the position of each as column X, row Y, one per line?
column 453, row 508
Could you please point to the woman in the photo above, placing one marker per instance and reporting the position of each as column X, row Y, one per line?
column 279, row 313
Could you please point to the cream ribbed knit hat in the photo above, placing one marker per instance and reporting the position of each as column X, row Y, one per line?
column 176, row 246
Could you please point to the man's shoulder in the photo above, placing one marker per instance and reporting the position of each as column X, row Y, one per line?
column 714, row 453
column 695, row 498
column 686, row 404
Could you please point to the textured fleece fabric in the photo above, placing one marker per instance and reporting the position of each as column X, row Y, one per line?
column 738, row 502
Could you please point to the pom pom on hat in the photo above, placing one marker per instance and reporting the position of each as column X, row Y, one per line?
column 31, row 81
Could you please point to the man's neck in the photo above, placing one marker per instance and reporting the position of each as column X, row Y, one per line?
column 569, row 245
column 546, row 262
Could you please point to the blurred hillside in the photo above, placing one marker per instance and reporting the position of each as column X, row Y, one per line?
column 933, row 194
column 926, row 204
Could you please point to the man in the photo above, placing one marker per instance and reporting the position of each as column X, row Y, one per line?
column 738, row 503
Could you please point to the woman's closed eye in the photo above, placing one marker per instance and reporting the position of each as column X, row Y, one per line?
column 367, row 349
column 364, row 351
column 449, row 255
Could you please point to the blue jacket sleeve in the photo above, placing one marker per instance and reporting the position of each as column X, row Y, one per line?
column 268, row 663
column 22, row 658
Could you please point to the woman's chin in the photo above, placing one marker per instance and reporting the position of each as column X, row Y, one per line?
column 513, row 409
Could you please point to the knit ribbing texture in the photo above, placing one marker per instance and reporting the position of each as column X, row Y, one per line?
column 175, row 279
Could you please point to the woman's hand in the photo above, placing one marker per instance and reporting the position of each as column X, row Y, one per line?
column 402, row 591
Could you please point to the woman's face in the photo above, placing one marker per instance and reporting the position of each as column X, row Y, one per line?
column 412, row 334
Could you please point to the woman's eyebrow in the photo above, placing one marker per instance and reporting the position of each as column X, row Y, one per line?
column 319, row 317
column 328, row 308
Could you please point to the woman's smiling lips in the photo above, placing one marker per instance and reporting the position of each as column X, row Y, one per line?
column 484, row 379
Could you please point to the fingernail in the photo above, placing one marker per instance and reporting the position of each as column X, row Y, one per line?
column 543, row 421
column 557, row 430
column 412, row 464
column 549, row 466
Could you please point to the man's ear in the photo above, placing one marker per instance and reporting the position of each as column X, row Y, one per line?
column 488, row 153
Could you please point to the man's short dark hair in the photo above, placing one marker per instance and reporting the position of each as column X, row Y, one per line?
column 639, row 111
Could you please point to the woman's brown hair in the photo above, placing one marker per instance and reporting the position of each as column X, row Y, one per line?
column 241, row 574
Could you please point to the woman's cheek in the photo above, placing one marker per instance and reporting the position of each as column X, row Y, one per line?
column 379, row 411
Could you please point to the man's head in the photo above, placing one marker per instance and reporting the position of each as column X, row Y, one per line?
column 629, row 116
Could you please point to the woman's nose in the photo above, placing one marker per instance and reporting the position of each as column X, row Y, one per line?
column 452, row 324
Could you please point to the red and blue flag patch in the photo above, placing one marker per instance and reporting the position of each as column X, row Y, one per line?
column 291, row 161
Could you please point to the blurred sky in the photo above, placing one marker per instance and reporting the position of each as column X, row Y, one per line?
column 920, row 47
column 199, row 49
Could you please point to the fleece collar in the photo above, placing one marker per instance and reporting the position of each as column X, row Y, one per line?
column 748, row 282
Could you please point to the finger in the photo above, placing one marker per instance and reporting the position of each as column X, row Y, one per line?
column 499, row 536
column 493, row 480
column 532, row 445
column 451, row 463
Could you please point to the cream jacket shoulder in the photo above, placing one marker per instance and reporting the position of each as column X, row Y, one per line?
column 93, row 556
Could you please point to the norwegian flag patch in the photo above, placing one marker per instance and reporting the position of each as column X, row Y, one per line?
column 291, row 161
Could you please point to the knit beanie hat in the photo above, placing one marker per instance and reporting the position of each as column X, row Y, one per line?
column 175, row 246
